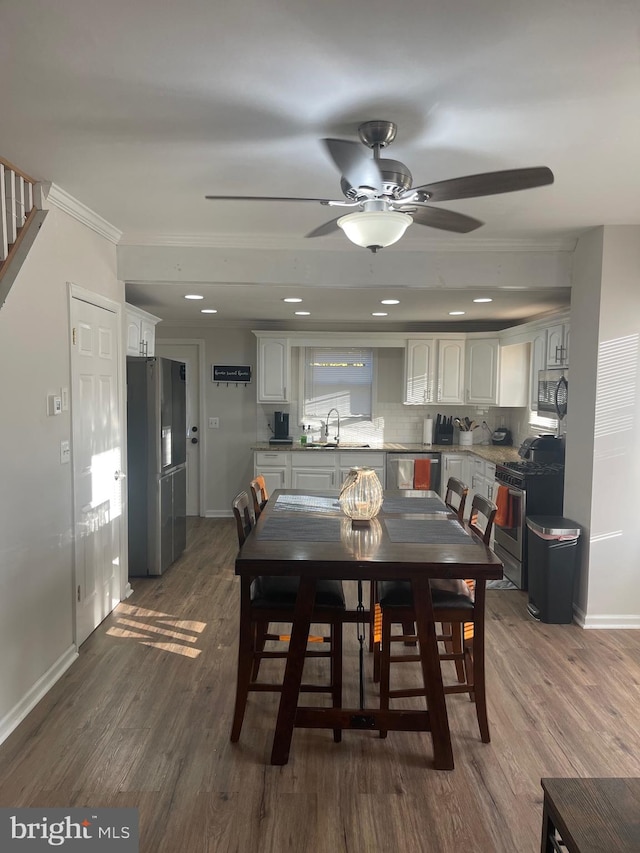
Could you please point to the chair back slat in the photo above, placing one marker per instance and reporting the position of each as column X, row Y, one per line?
column 259, row 494
column 483, row 512
column 243, row 514
column 456, row 496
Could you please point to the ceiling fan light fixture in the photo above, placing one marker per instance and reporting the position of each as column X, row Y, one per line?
column 374, row 229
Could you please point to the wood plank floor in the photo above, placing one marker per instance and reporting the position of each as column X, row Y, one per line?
column 143, row 717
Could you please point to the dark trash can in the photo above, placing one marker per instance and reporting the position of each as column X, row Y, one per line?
column 552, row 554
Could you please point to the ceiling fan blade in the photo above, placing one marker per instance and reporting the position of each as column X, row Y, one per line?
column 351, row 159
column 439, row 217
column 326, row 228
column 489, row 183
column 264, row 198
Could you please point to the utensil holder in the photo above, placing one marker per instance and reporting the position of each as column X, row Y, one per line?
column 465, row 438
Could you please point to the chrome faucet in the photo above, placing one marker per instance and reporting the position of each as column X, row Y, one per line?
column 326, row 426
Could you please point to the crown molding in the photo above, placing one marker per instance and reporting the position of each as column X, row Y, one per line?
column 61, row 199
column 244, row 241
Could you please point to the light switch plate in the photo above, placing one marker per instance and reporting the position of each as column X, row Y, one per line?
column 54, row 405
column 65, row 452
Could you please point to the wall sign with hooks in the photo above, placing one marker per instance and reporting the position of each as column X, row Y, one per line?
column 230, row 374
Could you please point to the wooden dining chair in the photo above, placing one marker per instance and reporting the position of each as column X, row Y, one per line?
column 462, row 606
column 455, row 498
column 270, row 600
column 259, row 494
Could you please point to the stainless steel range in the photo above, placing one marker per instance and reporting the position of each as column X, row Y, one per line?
column 533, row 486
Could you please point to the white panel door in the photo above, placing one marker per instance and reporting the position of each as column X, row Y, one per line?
column 190, row 355
column 97, row 460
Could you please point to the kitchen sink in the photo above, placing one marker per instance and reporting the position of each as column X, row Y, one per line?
column 333, row 446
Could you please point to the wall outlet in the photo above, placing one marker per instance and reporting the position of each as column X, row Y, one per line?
column 65, row 452
column 214, row 423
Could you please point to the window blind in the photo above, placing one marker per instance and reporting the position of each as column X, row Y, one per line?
column 340, row 378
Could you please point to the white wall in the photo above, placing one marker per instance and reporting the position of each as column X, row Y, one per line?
column 603, row 455
column 228, row 465
column 36, row 607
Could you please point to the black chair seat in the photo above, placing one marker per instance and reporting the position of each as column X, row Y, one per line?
column 398, row 594
column 282, row 591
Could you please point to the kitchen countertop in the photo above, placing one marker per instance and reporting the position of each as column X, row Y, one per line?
column 492, row 453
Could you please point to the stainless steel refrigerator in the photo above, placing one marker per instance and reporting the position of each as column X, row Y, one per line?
column 156, row 463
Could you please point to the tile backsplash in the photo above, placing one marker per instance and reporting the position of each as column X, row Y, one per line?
column 396, row 423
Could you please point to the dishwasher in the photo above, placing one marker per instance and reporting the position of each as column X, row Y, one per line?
column 401, row 470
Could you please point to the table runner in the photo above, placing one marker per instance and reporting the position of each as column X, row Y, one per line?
column 307, row 503
column 414, row 506
column 304, row 528
column 432, row 532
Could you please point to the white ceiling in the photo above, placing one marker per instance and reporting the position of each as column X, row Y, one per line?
column 139, row 109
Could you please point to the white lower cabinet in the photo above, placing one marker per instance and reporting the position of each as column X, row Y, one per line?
column 275, row 467
column 313, row 478
column 360, row 459
column 312, row 469
column 453, row 465
column 476, row 473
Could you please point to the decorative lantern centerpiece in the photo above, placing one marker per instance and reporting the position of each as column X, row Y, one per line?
column 361, row 496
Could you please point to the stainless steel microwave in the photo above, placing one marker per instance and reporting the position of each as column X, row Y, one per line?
column 553, row 391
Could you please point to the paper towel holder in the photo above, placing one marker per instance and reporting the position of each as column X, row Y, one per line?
column 427, row 432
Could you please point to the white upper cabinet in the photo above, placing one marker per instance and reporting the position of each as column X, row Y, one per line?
column 140, row 331
column 274, row 370
column 451, row 366
column 538, row 363
column 483, row 358
column 513, row 375
column 557, row 346
column 419, row 372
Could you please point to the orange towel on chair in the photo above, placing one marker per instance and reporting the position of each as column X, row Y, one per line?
column 422, row 474
column 503, row 503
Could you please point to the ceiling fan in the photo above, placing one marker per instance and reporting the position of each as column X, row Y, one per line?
column 379, row 191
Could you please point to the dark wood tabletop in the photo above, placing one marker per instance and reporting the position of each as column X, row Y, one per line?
column 591, row 815
column 304, row 534
column 344, row 556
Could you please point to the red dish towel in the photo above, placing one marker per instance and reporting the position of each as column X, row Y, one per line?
column 422, row 474
column 503, row 503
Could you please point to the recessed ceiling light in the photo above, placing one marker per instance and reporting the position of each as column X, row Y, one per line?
column 292, row 299
column 193, row 296
column 303, row 313
column 455, row 313
column 390, row 302
column 208, row 311
column 484, row 299
column 379, row 314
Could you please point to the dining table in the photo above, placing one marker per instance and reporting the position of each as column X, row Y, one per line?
column 415, row 537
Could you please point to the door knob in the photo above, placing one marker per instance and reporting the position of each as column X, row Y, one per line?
column 119, row 475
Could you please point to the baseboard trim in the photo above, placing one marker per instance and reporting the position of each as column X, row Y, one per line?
column 606, row 620
column 218, row 513
column 16, row 715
